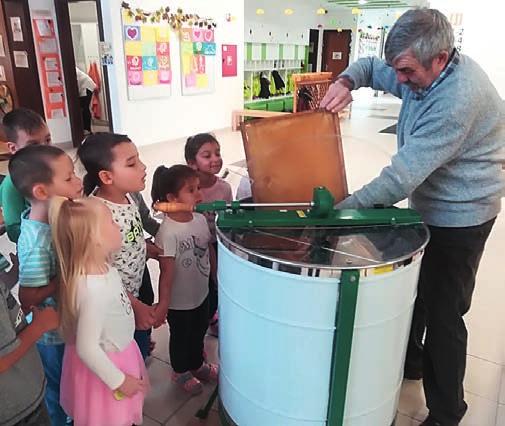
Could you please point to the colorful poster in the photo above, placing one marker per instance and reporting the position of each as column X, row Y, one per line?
column 229, row 55
column 198, row 54
column 147, row 59
column 50, row 69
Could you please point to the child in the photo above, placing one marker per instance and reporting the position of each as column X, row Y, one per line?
column 22, row 380
column 185, row 265
column 41, row 172
column 203, row 154
column 114, row 170
column 104, row 377
column 22, row 127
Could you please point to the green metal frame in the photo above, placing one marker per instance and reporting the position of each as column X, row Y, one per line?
column 321, row 213
column 298, row 218
column 342, row 345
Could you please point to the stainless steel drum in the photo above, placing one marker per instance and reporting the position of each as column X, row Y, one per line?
column 279, row 291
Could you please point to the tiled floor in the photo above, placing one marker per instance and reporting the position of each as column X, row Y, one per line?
column 366, row 152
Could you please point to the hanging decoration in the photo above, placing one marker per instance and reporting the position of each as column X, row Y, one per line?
column 176, row 20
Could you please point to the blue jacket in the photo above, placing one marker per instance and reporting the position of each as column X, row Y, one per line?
column 451, row 139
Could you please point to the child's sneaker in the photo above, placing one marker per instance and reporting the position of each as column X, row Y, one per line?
column 207, row 372
column 187, row 382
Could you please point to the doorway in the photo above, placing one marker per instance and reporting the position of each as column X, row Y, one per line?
column 82, row 20
column 336, row 51
column 85, row 42
column 313, row 49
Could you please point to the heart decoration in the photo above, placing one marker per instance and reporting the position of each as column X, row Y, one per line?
column 197, row 35
column 209, row 35
column 132, row 33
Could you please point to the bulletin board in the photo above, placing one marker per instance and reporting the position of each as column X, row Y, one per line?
column 198, row 60
column 50, row 71
column 229, row 58
column 147, row 59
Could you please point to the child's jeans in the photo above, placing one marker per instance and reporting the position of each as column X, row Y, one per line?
column 52, row 360
column 146, row 295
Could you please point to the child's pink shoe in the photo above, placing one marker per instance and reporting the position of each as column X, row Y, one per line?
column 187, row 382
column 207, row 372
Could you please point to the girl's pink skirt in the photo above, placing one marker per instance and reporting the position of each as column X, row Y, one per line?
column 89, row 401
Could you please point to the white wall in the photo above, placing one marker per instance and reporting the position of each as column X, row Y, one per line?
column 276, row 27
column 152, row 121
column 84, row 11
column 60, row 128
column 483, row 38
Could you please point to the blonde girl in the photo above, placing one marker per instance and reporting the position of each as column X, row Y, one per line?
column 103, row 380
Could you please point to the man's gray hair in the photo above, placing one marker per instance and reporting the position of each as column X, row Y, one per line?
column 427, row 32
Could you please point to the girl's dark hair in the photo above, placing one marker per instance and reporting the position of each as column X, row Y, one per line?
column 95, row 154
column 170, row 181
column 194, row 143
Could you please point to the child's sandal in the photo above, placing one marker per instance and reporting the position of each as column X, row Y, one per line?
column 207, row 372
column 187, row 382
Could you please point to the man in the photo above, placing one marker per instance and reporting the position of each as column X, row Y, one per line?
column 451, row 136
column 86, row 88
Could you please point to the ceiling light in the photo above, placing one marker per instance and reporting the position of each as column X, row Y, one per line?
column 355, row 11
column 260, row 11
column 321, row 11
column 288, row 11
column 362, row 1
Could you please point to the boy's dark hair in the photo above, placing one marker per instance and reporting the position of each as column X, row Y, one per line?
column 170, row 181
column 21, row 119
column 95, row 154
column 31, row 165
column 194, row 143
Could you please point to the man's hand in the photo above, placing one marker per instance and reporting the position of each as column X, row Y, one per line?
column 338, row 95
column 144, row 315
column 153, row 251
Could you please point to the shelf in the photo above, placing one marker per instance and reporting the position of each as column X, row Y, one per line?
column 273, row 69
column 271, row 98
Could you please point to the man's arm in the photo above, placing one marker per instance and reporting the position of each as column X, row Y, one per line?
column 374, row 73
column 432, row 143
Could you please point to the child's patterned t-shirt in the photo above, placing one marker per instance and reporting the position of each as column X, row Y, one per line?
column 188, row 244
column 131, row 260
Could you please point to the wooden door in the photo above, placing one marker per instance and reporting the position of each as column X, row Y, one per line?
column 26, row 74
column 7, row 77
column 336, row 51
column 313, row 49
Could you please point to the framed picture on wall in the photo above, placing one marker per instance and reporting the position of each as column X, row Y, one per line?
column 147, row 58
column 198, row 60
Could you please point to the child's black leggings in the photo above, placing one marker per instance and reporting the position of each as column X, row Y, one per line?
column 187, row 331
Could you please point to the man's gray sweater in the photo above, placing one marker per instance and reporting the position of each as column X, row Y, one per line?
column 451, row 140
